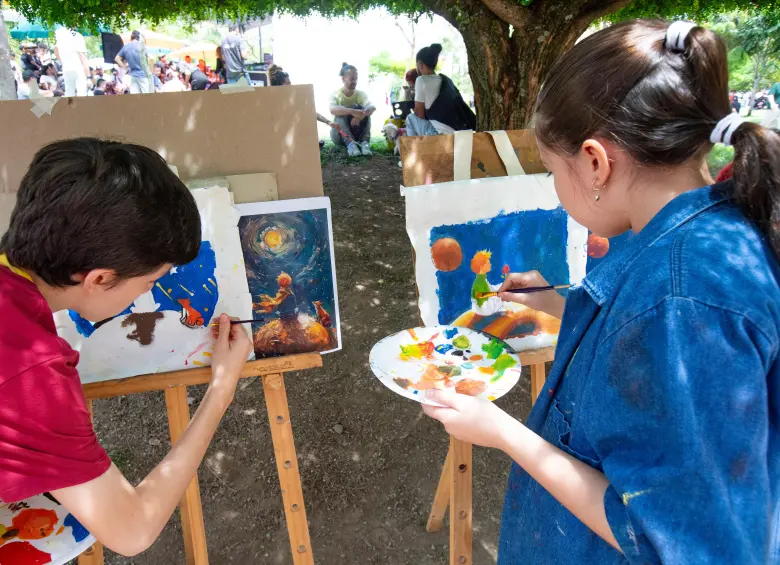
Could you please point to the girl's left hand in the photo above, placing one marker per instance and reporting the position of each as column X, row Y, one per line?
column 470, row 419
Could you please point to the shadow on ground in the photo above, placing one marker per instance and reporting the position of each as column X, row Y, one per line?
column 369, row 459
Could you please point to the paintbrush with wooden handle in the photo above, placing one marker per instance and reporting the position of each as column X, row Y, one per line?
column 233, row 322
column 526, row 290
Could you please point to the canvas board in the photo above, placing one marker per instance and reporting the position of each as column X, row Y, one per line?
column 167, row 328
column 520, row 223
column 291, row 272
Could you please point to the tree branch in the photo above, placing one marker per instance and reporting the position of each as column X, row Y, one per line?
column 509, row 11
column 399, row 26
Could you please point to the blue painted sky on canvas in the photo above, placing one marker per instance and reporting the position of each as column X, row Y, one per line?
column 303, row 253
column 527, row 240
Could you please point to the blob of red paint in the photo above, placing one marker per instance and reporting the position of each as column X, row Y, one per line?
column 597, row 246
column 22, row 552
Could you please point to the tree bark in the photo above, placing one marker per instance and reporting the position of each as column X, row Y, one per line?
column 511, row 49
column 756, row 83
column 7, row 90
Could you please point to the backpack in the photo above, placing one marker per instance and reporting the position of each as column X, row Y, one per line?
column 450, row 109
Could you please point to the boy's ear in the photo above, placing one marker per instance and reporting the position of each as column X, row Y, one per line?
column 96, row 279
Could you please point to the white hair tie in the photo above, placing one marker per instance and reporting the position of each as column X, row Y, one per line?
column 676, row 34
column 726, row 128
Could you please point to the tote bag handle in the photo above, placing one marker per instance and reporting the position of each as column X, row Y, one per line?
column 464, row 142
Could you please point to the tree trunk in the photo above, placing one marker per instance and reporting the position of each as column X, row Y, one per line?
column 511, row 49
column 7, row 90
column 756, row 83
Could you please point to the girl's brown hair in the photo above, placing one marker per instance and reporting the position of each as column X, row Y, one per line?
column 660, row 105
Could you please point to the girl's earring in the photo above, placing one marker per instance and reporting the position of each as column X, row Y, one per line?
column 597, row 190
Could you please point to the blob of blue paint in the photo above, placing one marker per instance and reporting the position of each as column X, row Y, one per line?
column 467, row 365
column 449, row 334
column 79, row 532
column 443, row 348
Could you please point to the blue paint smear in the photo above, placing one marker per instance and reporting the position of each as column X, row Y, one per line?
column 79, row 532
column 443, row 348
column 467, row 365
column 449, row 334
column 616, row 245
column 527, row 240
column 191, row 276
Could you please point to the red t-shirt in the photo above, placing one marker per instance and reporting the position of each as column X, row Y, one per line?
column 46, row 437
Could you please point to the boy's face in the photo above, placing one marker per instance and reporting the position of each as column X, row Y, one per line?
column 104, row 298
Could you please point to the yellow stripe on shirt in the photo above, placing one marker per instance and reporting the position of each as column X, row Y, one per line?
column 4, row 263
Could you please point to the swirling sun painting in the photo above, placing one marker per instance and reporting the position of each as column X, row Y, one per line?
column 290, row 268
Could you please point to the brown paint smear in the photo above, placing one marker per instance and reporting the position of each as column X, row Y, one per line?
column 144, row 326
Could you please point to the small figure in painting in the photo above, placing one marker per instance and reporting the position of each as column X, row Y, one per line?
column 189, row 316
column 481, row 266
column 322, row 316
column 270, row 304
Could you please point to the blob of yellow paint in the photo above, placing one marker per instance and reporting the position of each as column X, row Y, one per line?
column 272, row 238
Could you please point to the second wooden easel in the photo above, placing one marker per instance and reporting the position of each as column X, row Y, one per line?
column 455, row 484
column 175, row 385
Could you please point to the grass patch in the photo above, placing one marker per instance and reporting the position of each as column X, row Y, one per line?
column 332, row 153
column 719, row 157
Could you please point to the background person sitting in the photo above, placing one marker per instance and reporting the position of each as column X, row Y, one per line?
column 407, row 90
column 352, row 111
column 439, row 109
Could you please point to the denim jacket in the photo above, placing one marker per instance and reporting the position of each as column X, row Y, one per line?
column 666, row 379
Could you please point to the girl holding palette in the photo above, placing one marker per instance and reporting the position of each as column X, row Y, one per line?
column 655, row 438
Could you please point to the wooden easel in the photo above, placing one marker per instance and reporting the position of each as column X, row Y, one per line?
column 455, row 484
column 175, row 385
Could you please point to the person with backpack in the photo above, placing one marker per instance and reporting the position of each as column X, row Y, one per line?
column 439, row 109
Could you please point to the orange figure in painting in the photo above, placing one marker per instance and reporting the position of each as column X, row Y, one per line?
column 322, row 316
column 189, row 316
column 268, row 304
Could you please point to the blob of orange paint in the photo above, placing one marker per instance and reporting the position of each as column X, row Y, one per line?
column 446, row 254
column 273, row 239
column 35, row 523
column 597, row 246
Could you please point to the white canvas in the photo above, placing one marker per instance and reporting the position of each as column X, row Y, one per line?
column 110, row 352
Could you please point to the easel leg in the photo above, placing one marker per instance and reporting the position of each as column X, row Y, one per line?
column 537, row 380
column 287, row 467
column 442, row 497
column 460, row 503
column 192, row 526
column 94, row 555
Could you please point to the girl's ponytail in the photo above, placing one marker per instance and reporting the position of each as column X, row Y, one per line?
column 757, row 177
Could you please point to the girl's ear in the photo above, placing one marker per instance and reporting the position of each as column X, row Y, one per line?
column 594, row 163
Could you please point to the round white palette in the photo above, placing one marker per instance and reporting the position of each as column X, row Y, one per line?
column 474, row 363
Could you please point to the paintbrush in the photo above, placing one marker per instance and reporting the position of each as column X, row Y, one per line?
column 526, row 290
column 233, row 322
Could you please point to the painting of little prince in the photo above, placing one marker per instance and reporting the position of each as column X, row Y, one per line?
column 290, row 268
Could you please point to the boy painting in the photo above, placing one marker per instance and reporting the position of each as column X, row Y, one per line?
column 95, row 225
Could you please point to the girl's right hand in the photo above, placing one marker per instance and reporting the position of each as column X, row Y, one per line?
column 549, row 302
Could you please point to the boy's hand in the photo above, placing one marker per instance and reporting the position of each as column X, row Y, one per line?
column 549, row 301
column 231, row 351
column 470, row 419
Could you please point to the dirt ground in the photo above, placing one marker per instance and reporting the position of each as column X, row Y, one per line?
column 370, row 460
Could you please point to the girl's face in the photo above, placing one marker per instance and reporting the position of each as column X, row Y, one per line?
column 579, row 179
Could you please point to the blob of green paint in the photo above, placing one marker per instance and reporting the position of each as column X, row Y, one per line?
column 461, row 342
column 493, row 349
column 503, row 363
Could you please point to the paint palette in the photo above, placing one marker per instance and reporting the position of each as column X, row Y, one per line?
column 420, row 359
column 40, row 530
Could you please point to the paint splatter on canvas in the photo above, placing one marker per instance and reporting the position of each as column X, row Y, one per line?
column 289, row 262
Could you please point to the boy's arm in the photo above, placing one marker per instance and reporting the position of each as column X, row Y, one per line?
column 128, row 519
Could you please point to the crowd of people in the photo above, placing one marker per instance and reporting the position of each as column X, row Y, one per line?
column 66, row 71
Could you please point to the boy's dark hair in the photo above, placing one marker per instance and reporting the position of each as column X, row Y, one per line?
column 91, row 204
column 660, row 105
column 135, row 34
column 100, row 82
column 345, row 68
column 430, row 55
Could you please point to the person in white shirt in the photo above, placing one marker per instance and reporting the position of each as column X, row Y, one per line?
column 173, row 83
column 49, row 76
column 426, row 90
column 72, row 53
